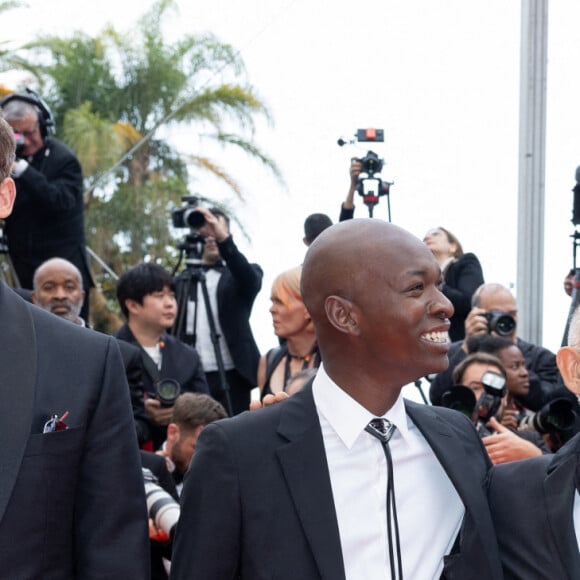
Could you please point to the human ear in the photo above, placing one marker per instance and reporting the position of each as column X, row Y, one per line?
column 568, row 359
column 7, row 196
column 341, row 313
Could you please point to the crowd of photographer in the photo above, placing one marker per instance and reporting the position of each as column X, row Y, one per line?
column 181, row 376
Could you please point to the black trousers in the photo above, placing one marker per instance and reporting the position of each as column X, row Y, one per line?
column 239, row 390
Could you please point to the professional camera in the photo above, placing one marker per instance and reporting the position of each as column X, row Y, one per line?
column 372, row 163
column 461, row 398
column 161, row 507
column 166, row 391
column 500, row 322
column 187, row 216
column 19, row 138
column 556, row 416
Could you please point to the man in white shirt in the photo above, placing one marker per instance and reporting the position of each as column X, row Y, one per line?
column 535, row 502
column 299, row 490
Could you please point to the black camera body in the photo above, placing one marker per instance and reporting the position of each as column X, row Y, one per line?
column 462, row 398
column 557, row 416
column 500, row 322
column 19, row 138
column 187, row 216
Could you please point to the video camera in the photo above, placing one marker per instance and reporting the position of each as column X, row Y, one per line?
column 370, row 185
column 461, row 398
column 500, row 322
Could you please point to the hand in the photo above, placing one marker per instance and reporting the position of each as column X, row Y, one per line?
column 475, row 325
column 509, row 418
column 214, row 227
column 269, row 400
column 506, row 446
column 157, row 413
column 355, row 171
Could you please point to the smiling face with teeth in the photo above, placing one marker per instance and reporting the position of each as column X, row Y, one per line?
column 374, row 293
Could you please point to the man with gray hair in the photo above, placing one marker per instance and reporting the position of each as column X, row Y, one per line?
column 535, row 503
column 48, row 215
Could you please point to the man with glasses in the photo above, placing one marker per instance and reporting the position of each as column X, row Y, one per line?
column 72, row 498
column 48, row 216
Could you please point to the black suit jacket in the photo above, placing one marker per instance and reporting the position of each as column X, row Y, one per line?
column 531, row 503
column 257, row 502
column 462, row 278
column 48, row 215
column 237, row 289
column 180, row 362
column 72, row 503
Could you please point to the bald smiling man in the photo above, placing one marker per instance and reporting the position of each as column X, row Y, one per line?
column 305, row 488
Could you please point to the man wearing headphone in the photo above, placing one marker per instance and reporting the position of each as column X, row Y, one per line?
column 48, row 216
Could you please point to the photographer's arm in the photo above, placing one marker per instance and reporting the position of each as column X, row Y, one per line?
column 347, row 207
column 58, row 187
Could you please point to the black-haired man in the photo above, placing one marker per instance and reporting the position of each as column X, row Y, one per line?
column 146, row 294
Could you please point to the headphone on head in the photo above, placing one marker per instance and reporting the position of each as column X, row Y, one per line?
column 45, row 118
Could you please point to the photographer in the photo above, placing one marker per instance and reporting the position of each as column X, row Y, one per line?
column 492, row 302
column 146, row 294
column 48, row 216
column 233, row 284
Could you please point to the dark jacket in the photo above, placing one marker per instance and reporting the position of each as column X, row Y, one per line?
column 461, row 279
column 531, row 503
column 179, row 362
column 48, row 216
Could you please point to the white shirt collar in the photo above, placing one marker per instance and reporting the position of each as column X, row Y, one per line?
column 348, row 417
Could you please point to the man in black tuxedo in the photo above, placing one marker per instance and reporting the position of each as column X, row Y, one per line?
column 48, row 216
column 233, row 284
column 299, row 490
column 535, row 503
column 72, row 502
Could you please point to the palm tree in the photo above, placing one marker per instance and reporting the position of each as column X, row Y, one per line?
column 110, row 96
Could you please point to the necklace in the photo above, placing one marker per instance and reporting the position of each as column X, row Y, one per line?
column 305, row 360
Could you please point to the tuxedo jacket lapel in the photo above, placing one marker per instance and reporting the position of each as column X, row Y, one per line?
column 453, row 457
column 305, row 468
column 559, row 490
column 17, row 384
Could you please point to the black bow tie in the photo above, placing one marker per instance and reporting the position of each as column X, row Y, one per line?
column 217, row 266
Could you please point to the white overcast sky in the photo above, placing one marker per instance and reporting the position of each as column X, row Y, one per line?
column 442, row 80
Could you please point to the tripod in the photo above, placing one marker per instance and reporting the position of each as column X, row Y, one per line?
column 186, row 286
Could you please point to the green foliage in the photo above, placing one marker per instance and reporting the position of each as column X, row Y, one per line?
column 111, row 94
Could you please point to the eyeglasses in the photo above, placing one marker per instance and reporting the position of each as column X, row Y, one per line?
column 30, row 132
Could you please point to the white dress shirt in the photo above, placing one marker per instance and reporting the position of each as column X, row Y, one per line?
column 203, row 344
column 576, row 516
column 429, row 509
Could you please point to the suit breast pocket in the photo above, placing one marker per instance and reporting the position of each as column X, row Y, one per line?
column 57, row 443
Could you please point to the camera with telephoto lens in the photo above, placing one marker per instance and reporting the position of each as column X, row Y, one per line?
column 462, row 398
column 166, row 391
column 556, row 416
column 187, row 216
column 500, row 322
column 161, row 507
column 19, row 138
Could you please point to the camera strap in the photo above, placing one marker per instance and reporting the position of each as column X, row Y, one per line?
column 150, row 366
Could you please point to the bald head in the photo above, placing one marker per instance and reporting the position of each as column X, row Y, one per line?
column 372, row 290
column 58, row 288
